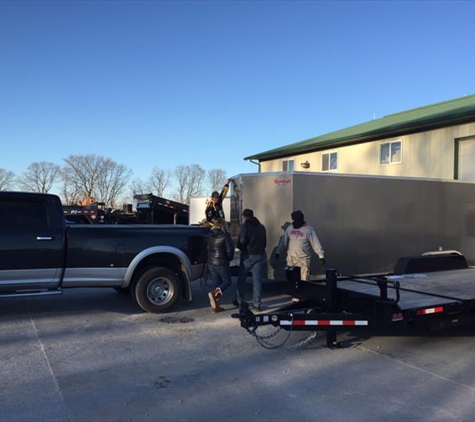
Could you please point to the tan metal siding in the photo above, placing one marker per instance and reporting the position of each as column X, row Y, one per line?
column 426, row 154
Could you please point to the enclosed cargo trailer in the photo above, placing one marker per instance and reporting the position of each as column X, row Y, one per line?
column 365, row 223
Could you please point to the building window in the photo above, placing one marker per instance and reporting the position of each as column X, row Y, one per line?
column 329, row 161
column 390, row 152
column 288, row 165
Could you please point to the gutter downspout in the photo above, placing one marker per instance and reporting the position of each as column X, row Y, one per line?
column 257, row 163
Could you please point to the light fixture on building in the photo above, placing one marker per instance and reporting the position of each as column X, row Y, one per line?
column 305, row 165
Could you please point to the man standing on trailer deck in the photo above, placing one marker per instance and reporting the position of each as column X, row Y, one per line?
column 214, row 210
column 299, row 238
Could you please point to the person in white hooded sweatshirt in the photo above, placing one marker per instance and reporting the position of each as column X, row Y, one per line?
column 299, row 239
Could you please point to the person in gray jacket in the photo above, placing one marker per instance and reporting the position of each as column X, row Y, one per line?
column 252, row 244
column 299, row 239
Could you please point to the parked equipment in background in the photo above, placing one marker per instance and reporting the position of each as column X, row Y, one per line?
column 92, row 213
column 152, row 209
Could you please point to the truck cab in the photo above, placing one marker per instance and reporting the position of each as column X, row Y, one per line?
column 31, row 252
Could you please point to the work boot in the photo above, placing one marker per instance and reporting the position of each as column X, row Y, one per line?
column 218, row 309
column 212, row 301
column 218, row 293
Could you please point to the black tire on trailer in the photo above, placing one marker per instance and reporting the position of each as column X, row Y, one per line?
column 157, row 290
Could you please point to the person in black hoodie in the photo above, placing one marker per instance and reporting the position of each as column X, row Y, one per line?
column 220, row 252
column 252, row 244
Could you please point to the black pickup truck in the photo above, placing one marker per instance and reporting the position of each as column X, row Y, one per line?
column 41, row 254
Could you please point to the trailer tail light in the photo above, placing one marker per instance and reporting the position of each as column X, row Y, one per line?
column 428, row 311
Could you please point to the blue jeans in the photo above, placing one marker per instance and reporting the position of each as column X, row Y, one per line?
column 220, row 276
column 254, row 264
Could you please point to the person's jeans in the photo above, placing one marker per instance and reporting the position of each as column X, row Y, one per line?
column 254, row 264
column 220, row 276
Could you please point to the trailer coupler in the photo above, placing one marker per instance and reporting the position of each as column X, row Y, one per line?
column 303, row 320
column 247, row 318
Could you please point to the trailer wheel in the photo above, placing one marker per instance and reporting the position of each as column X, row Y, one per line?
column 157, row 290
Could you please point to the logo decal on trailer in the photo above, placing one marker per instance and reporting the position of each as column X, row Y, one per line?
column 282, row 180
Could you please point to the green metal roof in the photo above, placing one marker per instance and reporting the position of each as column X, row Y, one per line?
column 447, row 113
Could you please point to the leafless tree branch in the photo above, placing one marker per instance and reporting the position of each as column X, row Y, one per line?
column 6, row 179
column 39, row 177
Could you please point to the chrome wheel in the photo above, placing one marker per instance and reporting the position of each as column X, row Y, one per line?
column 160, row 290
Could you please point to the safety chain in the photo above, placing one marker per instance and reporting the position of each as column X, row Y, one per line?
column 263, row 339
column 312, row 335
column 277, row 331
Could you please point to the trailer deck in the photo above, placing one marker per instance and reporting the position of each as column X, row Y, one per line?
column 440, row 296
column 423, row 289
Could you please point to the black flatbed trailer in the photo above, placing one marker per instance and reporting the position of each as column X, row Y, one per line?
column 427, row 292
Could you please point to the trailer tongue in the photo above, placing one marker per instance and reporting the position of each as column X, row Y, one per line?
column 427, row 292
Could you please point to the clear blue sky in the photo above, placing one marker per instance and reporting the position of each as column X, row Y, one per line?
column 165, row 83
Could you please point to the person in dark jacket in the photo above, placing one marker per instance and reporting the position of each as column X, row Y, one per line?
column 252, row 244
column 220, row 252
column 214, row 210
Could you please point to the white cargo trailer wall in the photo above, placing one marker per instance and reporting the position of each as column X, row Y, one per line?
column 365, row 223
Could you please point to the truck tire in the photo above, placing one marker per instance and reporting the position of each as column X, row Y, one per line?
column 157, row 290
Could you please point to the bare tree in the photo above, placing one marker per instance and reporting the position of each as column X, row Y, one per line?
column 96, row 177
column 39, row 177
column 160, row 180
column 112, row 181
column 216, row 179
column 190, row 182
column 71, row 191
column 85, row 170
column 139, row 187
column 6, row 179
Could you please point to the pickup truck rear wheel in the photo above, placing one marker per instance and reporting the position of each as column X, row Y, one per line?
column 157, row 290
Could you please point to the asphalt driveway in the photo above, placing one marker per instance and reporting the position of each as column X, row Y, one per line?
column 92, row 355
